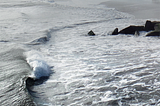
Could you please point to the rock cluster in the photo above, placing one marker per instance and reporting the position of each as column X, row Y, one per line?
column 156, row 31
column 153, row 26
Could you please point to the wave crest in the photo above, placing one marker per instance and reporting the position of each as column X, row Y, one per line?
column 38, row 64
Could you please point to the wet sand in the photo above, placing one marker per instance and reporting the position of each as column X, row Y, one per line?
column 141, row 9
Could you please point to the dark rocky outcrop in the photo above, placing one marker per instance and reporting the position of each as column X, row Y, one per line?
column 154, row 33
column 131, row 29
column 91, row 33
column 153, row 26
column 150, row 25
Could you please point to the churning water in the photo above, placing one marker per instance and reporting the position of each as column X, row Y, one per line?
column 47, row 59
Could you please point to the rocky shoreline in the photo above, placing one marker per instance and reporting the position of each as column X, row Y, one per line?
column 152, row 27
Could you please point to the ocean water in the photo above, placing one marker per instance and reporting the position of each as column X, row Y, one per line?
column 47, row 59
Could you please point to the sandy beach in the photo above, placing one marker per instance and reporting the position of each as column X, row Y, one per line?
column 142, row 9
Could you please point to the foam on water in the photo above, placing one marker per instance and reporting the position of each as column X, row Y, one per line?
column 89, row 70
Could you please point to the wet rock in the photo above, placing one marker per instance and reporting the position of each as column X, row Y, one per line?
column 157, row 27
column 115, row 32
column 91, row 33
column 4, row 41
column 131, row 29
column 154, row 33
column 150, row 25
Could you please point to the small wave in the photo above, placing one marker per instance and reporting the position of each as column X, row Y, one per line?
column 39, row 41
column 43, row 39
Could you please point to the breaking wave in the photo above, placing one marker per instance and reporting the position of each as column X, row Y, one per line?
column 38, row 65
column 15, row 70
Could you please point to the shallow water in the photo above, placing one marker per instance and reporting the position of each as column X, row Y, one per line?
column 104, row 70
column 49, row 39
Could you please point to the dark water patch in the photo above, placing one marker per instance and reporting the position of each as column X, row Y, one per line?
column 4, row 41
column 109, row 103
column 113, row 103
column 31, row 83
